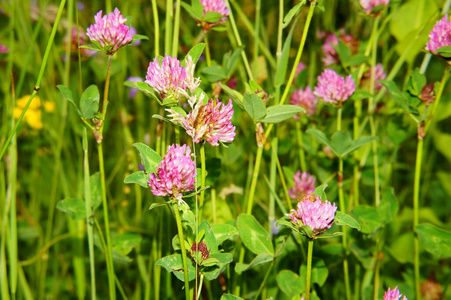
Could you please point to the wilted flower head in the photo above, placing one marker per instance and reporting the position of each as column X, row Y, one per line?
column 393, row 294
column 379, row 74
column 110, row 31
column 175, row 174
column 219, row 6
column 332, row 40
column 202, row 248
column 440, row 36
column 431, row 290
column 304, row 184
column 313, row 212
column 305, row 99
column 369, row 5
column 427, row 95
column 209, row 122
column 333, row 88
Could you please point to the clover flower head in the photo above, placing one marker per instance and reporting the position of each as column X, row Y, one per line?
column 393, row 294
column 333, row 88
column 440, row 35
column 379, row 74
column 219, row 6
column 167, row 78
column 202, row 248
column 313, row 212
column 369, row 5
column 305, row 99
column 110, row 31
column 304, row 184
column 209, row 122
column 175, row 174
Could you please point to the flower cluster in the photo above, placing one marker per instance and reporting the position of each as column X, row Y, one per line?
column 369, row 5
column 393, row 294
column 3, row 49
column 305, row 99
column 333, row 88
column 110, row 31
column 219, row 6
column 313, row 212
column 33, row 117
column 332, row 40
column 209, row 122
column 440, row 36
column 303, row 185
column 175, row 174
column 170, row 79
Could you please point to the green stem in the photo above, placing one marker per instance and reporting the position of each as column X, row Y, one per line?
column 250, row 199
column 376, row 278
column 38, row 81
column 88, row 205
column 343, row 209
column 262, row 285
column 297, row 59
column 202, row 180
column 309, row 269
column 175, row 41
column 200, row 285
column 168, row 25
column 300, row 147
column 156, row 24
column 238, row 40
column 213, row 205
column 207, row 49
column 108, row 250
column 371, row 113
column 257, row 31
column 182, row 247
column 416, row 204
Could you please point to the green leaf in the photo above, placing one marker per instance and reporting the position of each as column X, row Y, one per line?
column 143, row 87
column 90, row 47
column 173, row 263
column 279, row 113
column 139, row 177
column 236, row 96
column 189, row 9
column 254, row 236
column 356, row 60
column 195, row 53
column 74, row 207
column 230, row 297
column 290, row 283
column 67, row 95
column 320, row 136
column 444, row 51
column 124, row 243
column 343, row 51
column 96, row 190
column 224, row 232
column 260, row 259
column 198, row 9
column 137, row 37
column 329, row 235
column 388, row 207
column 343, row 219
column 436, row 241
column 319, row 271
column 89, row 102
column 281, row 70
column 231, row 59
column 223, row 260
column 158, row 204
column 340, row 142
column 149, row 158
column 360, row 94
column 306, row 230
column 368, row 217
column 254, row 106
column 209, row 237
column 212, row 17
column 214, row 73
column 292, row 12
column 396, row 94
column 416, row 82
column 401, row 248
column 321, row 191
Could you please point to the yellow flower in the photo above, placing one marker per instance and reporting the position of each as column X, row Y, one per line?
column 33, row 115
